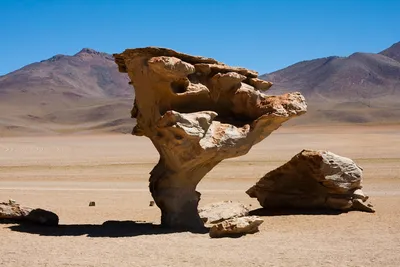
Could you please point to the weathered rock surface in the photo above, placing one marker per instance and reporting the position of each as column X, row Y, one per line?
column 197, row 112
column 313, row 179
column 236, row 227
column 13, row 211
column 224, row 210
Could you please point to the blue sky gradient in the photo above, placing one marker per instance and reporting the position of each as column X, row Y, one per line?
column 260, row 35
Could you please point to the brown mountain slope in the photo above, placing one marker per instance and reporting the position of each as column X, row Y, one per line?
column 361, row 88
column 392, row 52
column 66, row 94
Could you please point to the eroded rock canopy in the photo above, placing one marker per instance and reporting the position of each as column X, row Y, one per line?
column 313, row 179
column 197, row 112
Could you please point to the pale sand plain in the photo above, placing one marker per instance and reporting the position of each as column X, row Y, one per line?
column 64, row 173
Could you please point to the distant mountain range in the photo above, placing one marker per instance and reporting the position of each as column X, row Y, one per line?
column 361, row 88
column 65, row 94
column 86, row 93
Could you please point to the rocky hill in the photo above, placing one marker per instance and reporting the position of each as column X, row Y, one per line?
column 361, row 88
column 392, row 52
column 83, row 92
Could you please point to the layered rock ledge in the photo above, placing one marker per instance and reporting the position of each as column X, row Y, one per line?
column 197, row 112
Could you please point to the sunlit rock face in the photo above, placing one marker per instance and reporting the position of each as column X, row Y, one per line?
column 197, row 112
column 313, row 180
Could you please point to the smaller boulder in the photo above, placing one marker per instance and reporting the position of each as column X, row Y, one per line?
column 313, row 180
column 42, row 217
column 224, row 210
column 236, row 227
column 92, row 204
column 14, row 212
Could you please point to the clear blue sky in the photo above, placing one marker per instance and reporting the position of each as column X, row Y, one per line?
column 262, row 35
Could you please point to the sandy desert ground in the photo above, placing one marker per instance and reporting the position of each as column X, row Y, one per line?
column 64, row 173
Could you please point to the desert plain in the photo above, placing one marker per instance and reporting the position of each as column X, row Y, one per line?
column 64, row 173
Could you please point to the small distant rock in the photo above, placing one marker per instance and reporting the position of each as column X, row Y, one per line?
column 12, row 202
column 236, row 227
column 224, row 210
column 92, row 204
column 151, row 203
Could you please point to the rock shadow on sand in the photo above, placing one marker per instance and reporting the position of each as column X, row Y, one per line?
column 292, row 211
column 107, row 229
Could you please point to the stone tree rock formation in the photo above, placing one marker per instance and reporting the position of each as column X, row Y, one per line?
column 197, row 112
column 313, row 179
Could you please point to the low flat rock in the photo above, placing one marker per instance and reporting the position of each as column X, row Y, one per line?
column 313, row 179
column 236, row 227
column 13, row 211
column 224, row 210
